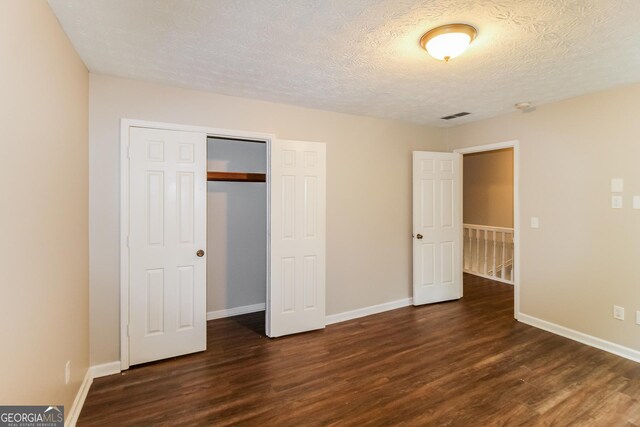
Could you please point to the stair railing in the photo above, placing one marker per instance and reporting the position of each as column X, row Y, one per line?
column 488, row 252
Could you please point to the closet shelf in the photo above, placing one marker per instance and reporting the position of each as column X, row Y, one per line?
column 236, row 176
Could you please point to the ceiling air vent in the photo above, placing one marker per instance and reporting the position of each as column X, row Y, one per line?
column 455, row 116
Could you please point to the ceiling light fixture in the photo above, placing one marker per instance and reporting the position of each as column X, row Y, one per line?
column 448, row 41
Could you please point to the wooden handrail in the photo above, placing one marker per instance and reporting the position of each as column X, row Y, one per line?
column 236, row 177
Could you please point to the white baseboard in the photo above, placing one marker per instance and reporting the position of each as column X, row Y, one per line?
column 236, row 311
column 93, row 372
column 105, row 369
column 74, row 412
column 617, row 349
column 367, row 311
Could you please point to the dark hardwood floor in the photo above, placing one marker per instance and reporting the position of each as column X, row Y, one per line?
column 463, row 363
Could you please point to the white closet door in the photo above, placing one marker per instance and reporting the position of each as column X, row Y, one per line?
column 296, row 294
column 167, row 276
column 437, row 227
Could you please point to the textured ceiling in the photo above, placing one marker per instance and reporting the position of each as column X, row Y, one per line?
column 363, row 56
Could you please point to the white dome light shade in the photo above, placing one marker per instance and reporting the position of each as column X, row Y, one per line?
column 447, row 46
column 448, row 41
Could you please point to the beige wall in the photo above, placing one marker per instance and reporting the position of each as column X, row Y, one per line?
column 368, row 189
column 488, row 188
column 584, row 257
column 44, row 301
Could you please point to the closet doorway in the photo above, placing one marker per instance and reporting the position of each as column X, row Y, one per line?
column 264, row 200
column 236, row 227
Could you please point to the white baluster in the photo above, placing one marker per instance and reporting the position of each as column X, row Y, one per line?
column 478, row 250
column 502, row 274
column 486, row 251
column 470, row 251
column 494, row 273
column 470, row 263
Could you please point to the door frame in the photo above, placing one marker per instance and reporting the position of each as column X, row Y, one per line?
column 125, row 124
column 515, row 144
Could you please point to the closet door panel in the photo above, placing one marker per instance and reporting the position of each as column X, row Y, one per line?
column 167, row 279
column 297, row 248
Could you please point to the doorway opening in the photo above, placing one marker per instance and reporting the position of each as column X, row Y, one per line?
column 488, row 214
column 490, row 229
column 236, row 227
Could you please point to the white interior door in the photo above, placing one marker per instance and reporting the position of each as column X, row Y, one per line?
column 296, row 291
column 167, row 275
column 437, row 227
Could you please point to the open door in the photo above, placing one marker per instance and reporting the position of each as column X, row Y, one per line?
column 437, row 227
column 296, row 286
column 167, row 262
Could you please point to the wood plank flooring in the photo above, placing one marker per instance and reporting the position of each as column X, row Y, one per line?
column 463, row 363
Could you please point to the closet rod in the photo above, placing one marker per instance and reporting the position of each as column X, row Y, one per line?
column 236, row 176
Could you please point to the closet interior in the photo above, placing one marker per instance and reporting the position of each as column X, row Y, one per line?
column 236, row 226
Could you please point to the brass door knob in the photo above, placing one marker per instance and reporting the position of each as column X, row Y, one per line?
column 200, row 253
column 419, row 236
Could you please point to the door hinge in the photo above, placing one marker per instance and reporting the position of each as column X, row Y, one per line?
column 128, row 242
column 129, row 330
column 129, row 151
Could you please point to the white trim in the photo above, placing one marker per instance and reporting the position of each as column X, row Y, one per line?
column 124, row 246
column 105, row 369
column 367, row 311
column 486, row 147
column 236, row 311
column 125, row 124
column 267, row 298
column 78, row 402
column 516, row 210
column 460, row 168
column 608, row 346
column 212, row 132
